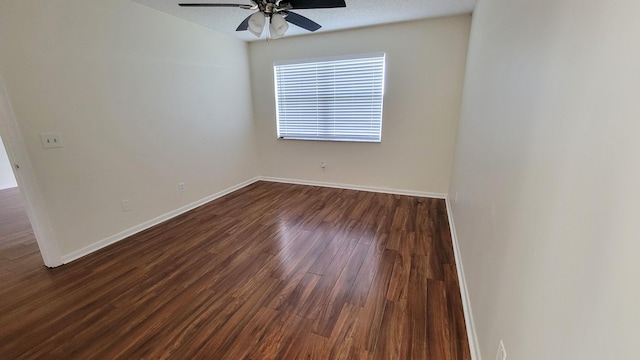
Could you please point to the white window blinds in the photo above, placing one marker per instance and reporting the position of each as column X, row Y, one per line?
column 338, row 99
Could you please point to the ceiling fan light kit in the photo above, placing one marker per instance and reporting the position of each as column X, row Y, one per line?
column 256, row 24
column 278, row 12
column 278, row 26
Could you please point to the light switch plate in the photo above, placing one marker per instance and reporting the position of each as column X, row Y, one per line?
column 51, row 140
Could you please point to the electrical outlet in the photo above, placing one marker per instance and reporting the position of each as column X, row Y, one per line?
column 323, row 166
column 125, row 205
column 51, row 140
column 455, row 198
column 181, row 187
column 502, row 353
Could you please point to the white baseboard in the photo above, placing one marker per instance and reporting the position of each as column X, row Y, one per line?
column 464, row 293
column 355, row 187
column 471, row 332
column 147, row 224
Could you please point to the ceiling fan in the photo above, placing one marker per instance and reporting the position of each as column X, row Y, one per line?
column 278, row 12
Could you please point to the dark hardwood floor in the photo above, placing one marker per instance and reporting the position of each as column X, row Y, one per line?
column 19, row 252
column 271, row 271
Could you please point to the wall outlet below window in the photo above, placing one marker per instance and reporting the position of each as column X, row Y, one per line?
column 125, row 205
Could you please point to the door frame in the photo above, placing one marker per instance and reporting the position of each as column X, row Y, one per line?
column 27, row 183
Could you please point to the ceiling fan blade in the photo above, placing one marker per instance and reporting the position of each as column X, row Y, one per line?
column 301, row 21
column 243, row 6
column 244, row 25
column 316, row 4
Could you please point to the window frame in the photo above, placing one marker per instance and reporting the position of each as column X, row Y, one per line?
column 347, row 137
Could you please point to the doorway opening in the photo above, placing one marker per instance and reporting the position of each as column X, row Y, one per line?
column 25, row 198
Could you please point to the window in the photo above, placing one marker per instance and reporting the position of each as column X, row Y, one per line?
column 336, row 99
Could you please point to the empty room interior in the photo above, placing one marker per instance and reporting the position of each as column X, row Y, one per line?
column 325, row 179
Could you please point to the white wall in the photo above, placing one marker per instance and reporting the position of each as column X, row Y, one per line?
column 7, row 180
column 548, row 178
column 143, row 101
column 425, row 71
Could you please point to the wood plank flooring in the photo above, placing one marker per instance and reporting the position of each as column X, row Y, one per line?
column 19, row 251
column 271, row 271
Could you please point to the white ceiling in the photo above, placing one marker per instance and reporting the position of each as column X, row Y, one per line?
column 358, row 13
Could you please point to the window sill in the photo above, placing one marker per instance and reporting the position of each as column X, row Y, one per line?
column 330, row 139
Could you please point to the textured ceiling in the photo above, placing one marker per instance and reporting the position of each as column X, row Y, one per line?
column 358, row 13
